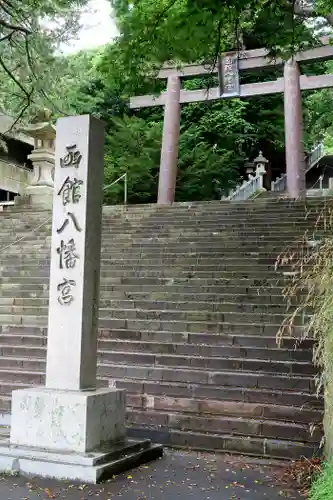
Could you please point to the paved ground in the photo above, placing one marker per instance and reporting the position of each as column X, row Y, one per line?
column 179, row 475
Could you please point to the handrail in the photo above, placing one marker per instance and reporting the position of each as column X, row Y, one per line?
column 18, row 165
column 280, row 184
column 124, row 176
column 249, row 187
column 23, row 237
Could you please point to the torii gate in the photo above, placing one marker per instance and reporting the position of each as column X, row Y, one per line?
column 291, row 84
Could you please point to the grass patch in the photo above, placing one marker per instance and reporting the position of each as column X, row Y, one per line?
column 322, row 487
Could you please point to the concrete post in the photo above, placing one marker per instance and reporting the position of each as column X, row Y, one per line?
column 295, row 158
column 170, row 140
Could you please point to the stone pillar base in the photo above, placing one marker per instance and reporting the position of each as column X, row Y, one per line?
column 72, row 435
column 69, row 421
column 36, row 196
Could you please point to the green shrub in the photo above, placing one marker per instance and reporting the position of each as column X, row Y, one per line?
column 322, row 488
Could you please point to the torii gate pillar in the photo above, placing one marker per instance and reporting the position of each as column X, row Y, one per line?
column 170, row 140
column 295, row 158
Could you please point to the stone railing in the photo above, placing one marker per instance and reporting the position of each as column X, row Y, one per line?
column 280, row 184
column 249, row 187
column 316, row 154
column 13, row 177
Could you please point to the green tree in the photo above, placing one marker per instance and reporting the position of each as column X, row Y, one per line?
column 214, row 143
column 155, row 31
column 132, row 147
column 31, row 32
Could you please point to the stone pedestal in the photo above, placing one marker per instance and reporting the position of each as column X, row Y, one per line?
column 69, row 429
column 71, row 421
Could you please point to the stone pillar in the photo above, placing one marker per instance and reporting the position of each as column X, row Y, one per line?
column 69, row 429
column 69, row 414
column 170, row 140
column 39, row 192
column 295, row 158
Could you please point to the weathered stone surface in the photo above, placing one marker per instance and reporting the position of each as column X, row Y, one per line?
column 190, row 307
column 67, row 420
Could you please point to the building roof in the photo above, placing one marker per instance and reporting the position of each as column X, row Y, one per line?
column 6, row 123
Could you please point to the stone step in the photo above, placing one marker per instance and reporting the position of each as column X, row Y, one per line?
column 108, row 297
column 190, row 308
column 227, row 443
column 174, row 265
column 258, row 253
column 204, row 209
column 153, row 231
column 195, row 217
column 264, row 403
column 111, row 346
column 23, row 350
column 230, row 240
column 22, row 376
column 151, row 391
column 31, row 362
column 35, row 346
column 37, row 335
column 30, row 305
column 168, row 248
column 32, row 252
column 177, row 274
column 255, row 288
column 190, row 260
column 199, row 406
column 232, row 324
column 243, row 379
column 22, row 344
column 153, row 228
column 272, row 278
column 217, row 209
column 23, row 363
column 236, row 333
column 207, row 363
column 211, row 339
column 20, row 305
column 236, row 426
column 233, row 265
column 228, row 315
column 167, row 278
column 174, row 285
column 215, row 254
column 160, row 270
column 5, row 406
column 7, row 329
column 209, row 318
column 181, row 236
column 29, row 374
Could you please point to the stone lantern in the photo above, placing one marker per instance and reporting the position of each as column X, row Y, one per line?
column 39, row 192
column 262, row 167
column 260, row 163
column 249, row 168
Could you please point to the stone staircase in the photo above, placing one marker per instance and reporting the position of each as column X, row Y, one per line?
column 190, row 307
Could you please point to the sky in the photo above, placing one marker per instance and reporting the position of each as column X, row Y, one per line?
column 98, row 27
